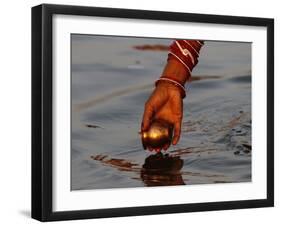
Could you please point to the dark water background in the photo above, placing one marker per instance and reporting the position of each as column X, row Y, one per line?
column 111, row 81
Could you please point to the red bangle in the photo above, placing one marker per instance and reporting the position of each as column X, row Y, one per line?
column 175, row 83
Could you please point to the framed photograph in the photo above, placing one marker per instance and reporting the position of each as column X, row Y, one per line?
column 146, row 112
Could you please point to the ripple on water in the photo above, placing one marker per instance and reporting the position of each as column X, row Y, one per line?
column 215, row 145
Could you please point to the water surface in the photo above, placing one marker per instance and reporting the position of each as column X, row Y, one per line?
column 111, row 81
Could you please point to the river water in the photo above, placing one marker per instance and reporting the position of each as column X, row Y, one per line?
column 111, row 80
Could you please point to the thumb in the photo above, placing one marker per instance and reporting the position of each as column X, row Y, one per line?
column 147, row 117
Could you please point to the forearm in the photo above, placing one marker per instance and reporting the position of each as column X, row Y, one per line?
column 175, row 71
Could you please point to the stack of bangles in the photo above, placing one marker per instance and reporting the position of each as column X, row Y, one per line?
column 175, row 83
column 186, row 52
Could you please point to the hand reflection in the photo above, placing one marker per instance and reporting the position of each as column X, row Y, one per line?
column 162, row 170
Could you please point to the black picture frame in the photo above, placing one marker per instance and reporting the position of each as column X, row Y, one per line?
column 42, row 107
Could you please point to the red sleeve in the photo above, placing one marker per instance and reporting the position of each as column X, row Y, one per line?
column 186, row 52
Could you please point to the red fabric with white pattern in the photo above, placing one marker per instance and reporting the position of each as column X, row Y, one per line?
column 186, row 52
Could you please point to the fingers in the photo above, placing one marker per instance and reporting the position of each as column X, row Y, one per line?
column 178, row 116
column 177, row 132
column 166, row 146
column 154, row 102
column 157, row 149
column 147, row 116
column 166, row 107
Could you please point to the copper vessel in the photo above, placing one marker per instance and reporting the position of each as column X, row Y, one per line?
column 159, row 134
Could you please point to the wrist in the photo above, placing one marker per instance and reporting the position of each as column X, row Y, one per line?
column 176, row 71
column 171, row 85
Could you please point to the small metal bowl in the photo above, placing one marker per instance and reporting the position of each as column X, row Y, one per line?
column 159, row 134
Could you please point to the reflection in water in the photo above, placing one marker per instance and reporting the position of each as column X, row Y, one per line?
column 162, row 170
column 215, row 144
column 157, row 170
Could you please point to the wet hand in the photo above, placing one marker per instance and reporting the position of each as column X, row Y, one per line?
column 165, row 103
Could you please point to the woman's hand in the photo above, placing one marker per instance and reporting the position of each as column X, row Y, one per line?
column 165, row 103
